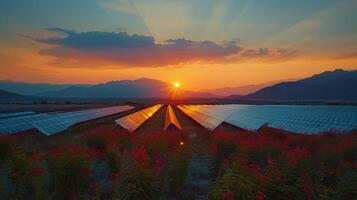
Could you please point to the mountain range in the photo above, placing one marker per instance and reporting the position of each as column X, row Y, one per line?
column 33, row 89
column 140, row 88
column 337, row 85
column 4, row 95
column 241, row 90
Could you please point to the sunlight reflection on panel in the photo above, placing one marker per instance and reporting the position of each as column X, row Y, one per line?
column 133, row 121
column 170, row 119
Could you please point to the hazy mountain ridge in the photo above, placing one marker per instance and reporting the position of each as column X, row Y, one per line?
column 5, row 95
column 140, row 88
column 339, row 85
column 241, row 90
column 32, row 89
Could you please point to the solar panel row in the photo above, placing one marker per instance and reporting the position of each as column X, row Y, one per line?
column 299, row 118
column 15, row 114
column 204, row 118
column 50, row 124
column 170, row 119
column 133, row 121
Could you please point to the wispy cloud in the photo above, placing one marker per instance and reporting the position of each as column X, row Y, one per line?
column 268, row 54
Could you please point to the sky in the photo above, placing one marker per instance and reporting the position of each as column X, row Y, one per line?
column 203, row 44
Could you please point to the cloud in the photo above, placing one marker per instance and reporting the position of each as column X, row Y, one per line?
column 120, row 49
column 269, row 54
column 131, row 50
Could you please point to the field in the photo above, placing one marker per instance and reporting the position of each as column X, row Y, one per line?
column 96, row 160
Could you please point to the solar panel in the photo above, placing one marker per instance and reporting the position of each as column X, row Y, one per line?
column 61, row 121
column 21, row 123
column 133, row 121
column 15, row 114
column 52, row 123
column 197, row 113
column 294, row 118
column 170, row 119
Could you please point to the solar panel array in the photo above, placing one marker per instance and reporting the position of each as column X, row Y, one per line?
column 50, row 124
column 133, row 121
column 294, row 118
column 171, row 120
column 300, row 118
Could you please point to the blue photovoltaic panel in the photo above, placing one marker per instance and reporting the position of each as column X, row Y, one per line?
column 294, row 118
column 21, row 123
column 298, row 118
column 15, row 114
column 53, row 123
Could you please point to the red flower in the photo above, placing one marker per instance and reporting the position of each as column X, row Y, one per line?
column 227, row 196
column 243, row 160
column 255, row 167
column 260, row 196
column 140, row 156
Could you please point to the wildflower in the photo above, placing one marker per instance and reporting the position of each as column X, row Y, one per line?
column 260, row 196
column 140, row 156
column 255, row 167
column 227, row 196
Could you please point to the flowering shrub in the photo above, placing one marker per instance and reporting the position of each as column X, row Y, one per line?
column 238, row 182
column 70, row 170
column 6, row 145
column 27, row 175
column 138, row 179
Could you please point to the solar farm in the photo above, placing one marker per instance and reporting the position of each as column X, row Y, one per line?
column 183, row 151
column 296, row 119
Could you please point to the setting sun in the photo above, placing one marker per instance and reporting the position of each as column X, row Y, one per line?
column 177, row 84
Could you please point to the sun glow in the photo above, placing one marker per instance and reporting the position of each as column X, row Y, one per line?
column 177, row 84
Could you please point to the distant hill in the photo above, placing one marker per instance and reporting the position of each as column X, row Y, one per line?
column 4, row 95
column 32, row 89
column 140, row 88
column 338, row 85
column 240, row 90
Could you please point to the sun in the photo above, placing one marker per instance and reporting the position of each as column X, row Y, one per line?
column 177, row 84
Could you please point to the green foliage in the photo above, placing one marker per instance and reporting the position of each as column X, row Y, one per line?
column 347, row 184
column 70, row 172
column 97, row 140
column 6, row 146
column 237, row 180
column 223, row 148
column 136, row 182
column 27, row 176
column 178, row 170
